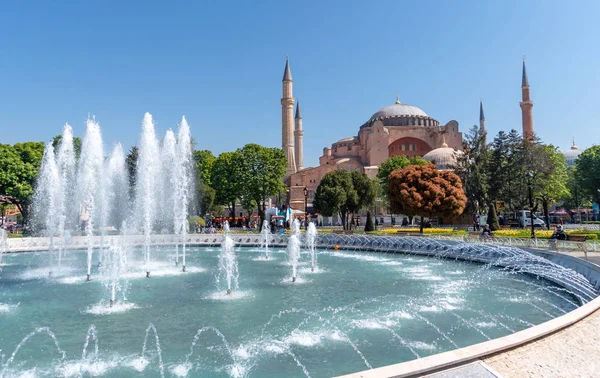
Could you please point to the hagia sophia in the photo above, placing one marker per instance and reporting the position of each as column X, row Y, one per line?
column 396, row 129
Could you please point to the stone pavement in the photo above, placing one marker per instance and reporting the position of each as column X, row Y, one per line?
column 571, row 352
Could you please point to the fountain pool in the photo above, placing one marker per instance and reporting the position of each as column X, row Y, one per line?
column 358, row 310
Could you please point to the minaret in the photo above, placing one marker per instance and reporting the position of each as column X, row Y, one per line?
column 481, row 117
column 526, row 105
column 298, row 135
column 287, row 119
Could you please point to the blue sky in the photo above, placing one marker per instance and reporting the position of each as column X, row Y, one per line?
column 221, row 64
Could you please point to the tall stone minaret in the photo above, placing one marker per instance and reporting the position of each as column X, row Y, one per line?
column 298, row 136
column 287, row 119
column 481, row 117
column 526, row 107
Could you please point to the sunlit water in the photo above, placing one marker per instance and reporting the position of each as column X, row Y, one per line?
column 358, row 310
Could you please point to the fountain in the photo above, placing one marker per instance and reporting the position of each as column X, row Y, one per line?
column 184, row 185
column 48, row 186
column 3, row 244
column 228, row 266
column 114, row 268
column 311, row 239
column 265, row 237
column 147, row 182
column 293, row 248
column 66, row 163
column 89, row 187
column 169, row 180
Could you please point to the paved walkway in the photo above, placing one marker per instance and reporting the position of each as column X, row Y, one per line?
column 572, row 352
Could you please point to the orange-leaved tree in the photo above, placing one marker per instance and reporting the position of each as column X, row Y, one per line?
column 425, row 191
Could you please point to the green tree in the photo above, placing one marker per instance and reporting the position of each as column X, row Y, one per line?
column 425, row 191
column 334, row 193
column 365, row 189
column 262, row 171
column 226, row 178
column 204, row 161
column 587, row 172
column 551, row 174
column 19, row 169
column 472, row 167
column 206, row 198
column 575, row 198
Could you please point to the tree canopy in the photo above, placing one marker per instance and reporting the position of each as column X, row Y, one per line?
column 425, row 191
column 19, row 169
column 587, row 172
column 341, row 192
column 226, row 180
column 472, row 168
column 262, row 172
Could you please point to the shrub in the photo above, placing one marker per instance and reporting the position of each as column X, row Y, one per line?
column 369, row 225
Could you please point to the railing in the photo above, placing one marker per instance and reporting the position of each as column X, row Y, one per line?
column 80, row 242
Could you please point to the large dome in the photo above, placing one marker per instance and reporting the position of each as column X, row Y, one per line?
column 398, row 110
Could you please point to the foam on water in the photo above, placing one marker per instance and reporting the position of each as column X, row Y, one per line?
column 304, row 338
column 317, row 270
column 422, row 346
column 138, row 364
column 70, row 280
column 104, row 309
column 181, row 370
column 264, row 259
column 392, row 263
column 5, row 308
column 91, row 368
column 42, row 273
column 222, row 296
column 360, row 257
column 401, row 315
column 485, row 324
column 299, row 280
column 373, row 323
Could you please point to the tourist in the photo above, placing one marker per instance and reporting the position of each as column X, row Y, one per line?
column 559, row 233
column 487, row 232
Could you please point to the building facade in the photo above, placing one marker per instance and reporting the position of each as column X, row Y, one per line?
column 396, row 129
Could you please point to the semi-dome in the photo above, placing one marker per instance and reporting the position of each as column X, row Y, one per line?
column 444, row 157
column 572, row 154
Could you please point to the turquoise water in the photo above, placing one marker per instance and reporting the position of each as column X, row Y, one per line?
column 358, row 309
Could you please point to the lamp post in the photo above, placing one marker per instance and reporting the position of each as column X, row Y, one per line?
column 529, row 177
column 305, row 208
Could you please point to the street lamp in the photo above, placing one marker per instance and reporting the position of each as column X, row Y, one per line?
column 529, row 177
column 305, row 208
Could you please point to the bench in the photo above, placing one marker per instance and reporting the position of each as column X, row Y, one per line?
column 573, row 238
column 345, row 232
column 477, row 235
